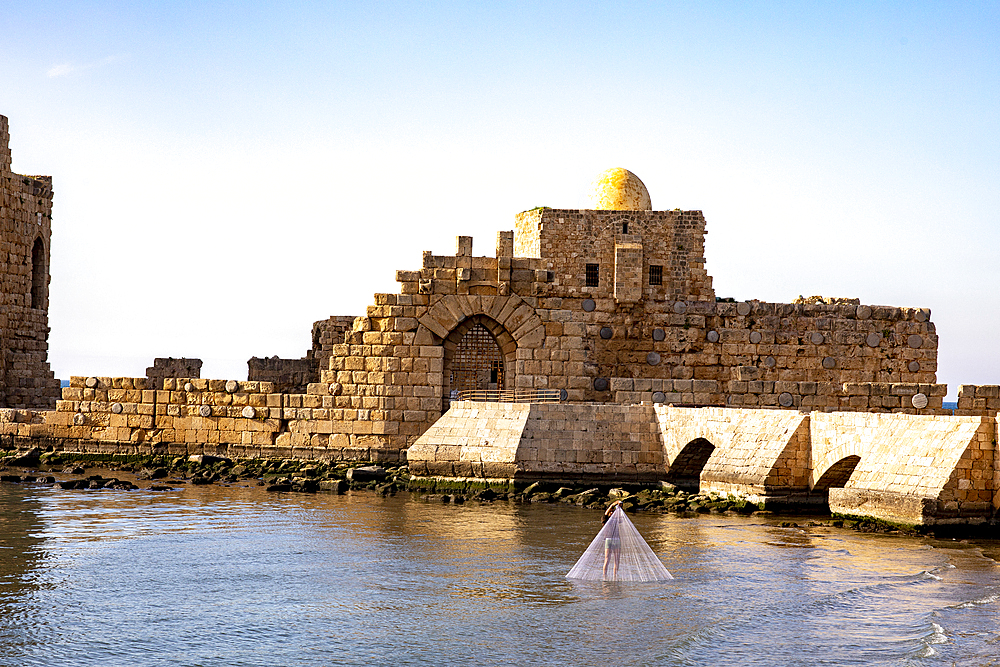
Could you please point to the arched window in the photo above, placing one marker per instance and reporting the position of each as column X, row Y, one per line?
column 38, row 274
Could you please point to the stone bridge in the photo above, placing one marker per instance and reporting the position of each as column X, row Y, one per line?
column 913, row 469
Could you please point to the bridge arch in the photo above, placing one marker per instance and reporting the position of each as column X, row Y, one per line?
column 685, row 469
column 838, row 474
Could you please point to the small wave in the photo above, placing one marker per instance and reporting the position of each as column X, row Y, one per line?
column 938, row 636
column 929, row 575
column 990, row 599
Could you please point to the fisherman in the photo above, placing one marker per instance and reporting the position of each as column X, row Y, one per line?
column 612, row 543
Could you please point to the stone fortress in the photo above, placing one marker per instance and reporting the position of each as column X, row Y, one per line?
column 590, row 348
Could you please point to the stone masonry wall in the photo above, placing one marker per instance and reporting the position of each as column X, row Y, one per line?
column 25, row 234
column 567, row 240
column 169, row 367
column 195, row 416
column 293, row 376
column 616, row 342
column 290, row 376
column 819, row 396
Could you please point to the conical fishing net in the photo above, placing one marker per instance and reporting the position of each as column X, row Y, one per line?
column 619, row 553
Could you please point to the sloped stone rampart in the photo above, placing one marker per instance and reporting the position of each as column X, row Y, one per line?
column 554, row 442
column 472, row 440
column 913, row 468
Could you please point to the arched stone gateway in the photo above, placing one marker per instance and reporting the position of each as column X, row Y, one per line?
column 685, row 471
column 479, row 354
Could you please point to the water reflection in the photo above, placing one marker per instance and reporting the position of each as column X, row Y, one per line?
column 222, row 576
column 21, row 557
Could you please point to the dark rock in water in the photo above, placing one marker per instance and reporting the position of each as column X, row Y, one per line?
column 201, row 480
column 238, row 470
column 456, row 499
column 366, row 474
column 32, row 457
column 540, row 498
column 50, row 480
column 95, row 484
column 279, row 488
column 74, row 484
column 158, row 487
column 207, row 460
column 333, row 485
column 386, row 489
column 584, row 497
column 485, row 495
column 152, row 473
column 13, row 479
column 29, row 479
column 306, row 485
column 120, row 485
column 73, row 470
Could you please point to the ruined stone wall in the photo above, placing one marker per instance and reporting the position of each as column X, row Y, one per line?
column 290, row 376
column 325, row 334
column 293, row 376
column 169, row 367
column 978, row 400
column 25, row 235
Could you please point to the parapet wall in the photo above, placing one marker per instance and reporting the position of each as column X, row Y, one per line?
column 904, row 397
column 202, row 416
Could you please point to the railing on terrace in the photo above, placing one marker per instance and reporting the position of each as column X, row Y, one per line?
column 513, row 395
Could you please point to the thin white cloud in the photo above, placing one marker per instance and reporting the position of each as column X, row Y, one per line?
column 65, row 69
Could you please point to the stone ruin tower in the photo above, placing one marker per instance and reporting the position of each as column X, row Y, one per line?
column 25, row 244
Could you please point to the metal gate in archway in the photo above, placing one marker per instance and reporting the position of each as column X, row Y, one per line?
column 478, row 362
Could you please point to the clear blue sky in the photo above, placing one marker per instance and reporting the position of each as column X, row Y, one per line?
column 228, row 173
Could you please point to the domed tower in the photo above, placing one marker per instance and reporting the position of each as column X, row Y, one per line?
column 620, row 248
column 619, row 189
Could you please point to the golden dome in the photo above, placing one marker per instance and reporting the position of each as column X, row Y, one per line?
column 619, row 189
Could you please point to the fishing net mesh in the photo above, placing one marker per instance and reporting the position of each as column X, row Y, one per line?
column 619, row 553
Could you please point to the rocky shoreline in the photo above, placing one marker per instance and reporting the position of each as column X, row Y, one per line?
column 166, row 473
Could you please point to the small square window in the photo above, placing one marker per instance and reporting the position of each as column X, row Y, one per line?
column 655, row 274
column 593, row 273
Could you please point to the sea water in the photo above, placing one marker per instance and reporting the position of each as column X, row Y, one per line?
column 235, row 576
